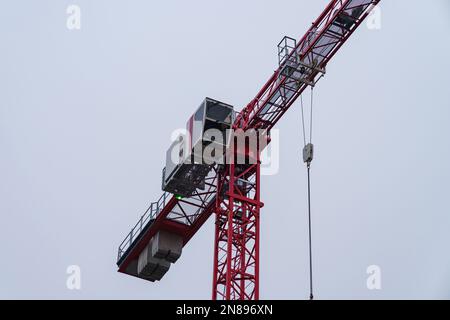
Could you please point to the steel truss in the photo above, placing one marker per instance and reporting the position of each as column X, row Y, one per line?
column 236, row 251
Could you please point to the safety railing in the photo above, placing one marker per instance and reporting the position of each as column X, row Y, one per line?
column 148, row 217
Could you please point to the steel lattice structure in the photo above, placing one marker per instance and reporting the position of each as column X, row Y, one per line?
column 233, row 190
column 236, row 251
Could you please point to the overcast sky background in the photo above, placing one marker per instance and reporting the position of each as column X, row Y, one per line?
column 86, row 118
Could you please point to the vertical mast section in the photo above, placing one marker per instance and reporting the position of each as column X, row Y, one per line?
column 236, row 252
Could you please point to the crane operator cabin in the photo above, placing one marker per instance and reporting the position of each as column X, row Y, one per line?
column 187, row 163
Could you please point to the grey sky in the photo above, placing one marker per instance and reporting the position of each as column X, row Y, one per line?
column 86, row 117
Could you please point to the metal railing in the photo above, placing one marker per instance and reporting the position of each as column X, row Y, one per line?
column 150, row 214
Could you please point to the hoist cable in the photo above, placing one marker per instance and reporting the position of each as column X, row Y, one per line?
column 311, row 123
column 311, row 295
column 308, row 162
column 303, row 122
column 311, row 118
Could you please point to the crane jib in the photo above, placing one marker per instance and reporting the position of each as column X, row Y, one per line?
column 305, row 63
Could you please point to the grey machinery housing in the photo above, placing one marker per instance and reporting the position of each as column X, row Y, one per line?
column 186, row 168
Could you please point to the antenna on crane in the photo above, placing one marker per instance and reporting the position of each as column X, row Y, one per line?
column 308, row 156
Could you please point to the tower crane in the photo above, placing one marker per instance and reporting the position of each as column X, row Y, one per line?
column 231, row 191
